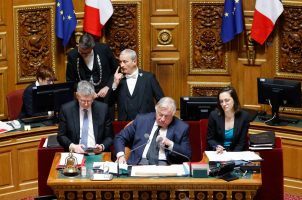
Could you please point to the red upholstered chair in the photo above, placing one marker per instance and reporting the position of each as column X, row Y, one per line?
column 195, row 140
column 203, row 134
column 272, row 173
column 14, row 103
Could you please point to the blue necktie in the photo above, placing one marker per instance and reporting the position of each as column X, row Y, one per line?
column 152, row 154
column 84, row 138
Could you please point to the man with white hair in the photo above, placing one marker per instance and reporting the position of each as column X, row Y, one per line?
column 85, row 123
column 155, row 138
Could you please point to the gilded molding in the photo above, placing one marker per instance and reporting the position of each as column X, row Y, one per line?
column 3, row 46
column 206, row 88
column 34, row 39
column 208, row 55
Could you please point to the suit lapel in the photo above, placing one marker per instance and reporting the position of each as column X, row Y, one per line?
column 94, row 122
column 139, row 87
column 76, row 120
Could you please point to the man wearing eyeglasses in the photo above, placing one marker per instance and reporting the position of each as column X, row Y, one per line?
column 84, row 124
column 156, row 138
column 93, row 62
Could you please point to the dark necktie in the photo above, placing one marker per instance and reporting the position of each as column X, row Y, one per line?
column 152, row 154
column 84, row 138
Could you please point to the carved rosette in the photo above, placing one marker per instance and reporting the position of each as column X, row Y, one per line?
column 35, row 39
column 164, row 37
column 206, row 88
column 123, row 30
column 207, row 53
column 290, row 43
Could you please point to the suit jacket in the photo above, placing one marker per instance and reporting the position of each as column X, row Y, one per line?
column 146, row 90
column 108, row 62
column 216, row 131
column 69, row 124
column 134, row 136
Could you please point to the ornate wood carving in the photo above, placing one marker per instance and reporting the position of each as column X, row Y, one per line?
column 206, row 88
column 207, row 53
column 290, row 62
column 34, row 40
column 123, row 30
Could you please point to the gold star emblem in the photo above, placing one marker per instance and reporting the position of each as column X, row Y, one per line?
column 58, row 4
column 226, row 14
column 69, row 17
column 237, row 1
column 61, row 12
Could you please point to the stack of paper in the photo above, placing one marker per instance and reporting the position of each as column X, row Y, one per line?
column 229, row 156
column 153, row 170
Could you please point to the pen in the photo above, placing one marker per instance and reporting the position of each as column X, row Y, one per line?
column 244, row 173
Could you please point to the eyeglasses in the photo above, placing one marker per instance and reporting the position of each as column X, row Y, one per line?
column 85, row 101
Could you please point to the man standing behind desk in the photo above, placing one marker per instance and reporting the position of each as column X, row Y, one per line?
column 169, row 135
column 134, row 89
column 85, row 123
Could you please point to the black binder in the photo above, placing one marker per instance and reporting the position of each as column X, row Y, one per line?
column 52, row 141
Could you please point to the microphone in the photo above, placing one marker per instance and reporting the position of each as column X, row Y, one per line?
column 147, row 137
column 159, row 140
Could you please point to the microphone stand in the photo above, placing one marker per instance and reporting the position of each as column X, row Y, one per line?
column 180, row 154
column 138, row 147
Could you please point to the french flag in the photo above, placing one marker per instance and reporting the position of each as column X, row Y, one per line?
column 265, row 16
column 97, row 13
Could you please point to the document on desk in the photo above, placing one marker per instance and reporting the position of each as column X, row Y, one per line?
column 153, row 170
column 229, row 156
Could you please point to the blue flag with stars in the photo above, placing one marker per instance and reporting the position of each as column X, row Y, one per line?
column 232, row 20
column 65, row 20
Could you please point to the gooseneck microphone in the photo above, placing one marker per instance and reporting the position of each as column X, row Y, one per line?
column 159, row 140
column 147, row 137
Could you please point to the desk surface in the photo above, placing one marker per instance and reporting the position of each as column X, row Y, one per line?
column 172, row 186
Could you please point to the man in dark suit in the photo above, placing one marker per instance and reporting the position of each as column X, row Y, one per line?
column 170, row 134
column 44, row 76
column 134, row 89
column 93, row 62
column 85, row 123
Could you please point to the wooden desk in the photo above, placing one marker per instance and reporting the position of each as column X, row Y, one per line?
column 152, row 188
column 292, row 152
column 18, row 162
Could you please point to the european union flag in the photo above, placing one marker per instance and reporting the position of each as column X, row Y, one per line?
column 232, row 20
column 65, row 20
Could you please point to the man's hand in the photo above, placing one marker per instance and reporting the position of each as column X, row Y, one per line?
column 98, row 149
column 103, row 92
column 166, row 142
column 219, row 149
column 121, row 160
column 117, row 77
column 77, row 148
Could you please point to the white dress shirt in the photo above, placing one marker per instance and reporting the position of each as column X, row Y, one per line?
column 131, row 81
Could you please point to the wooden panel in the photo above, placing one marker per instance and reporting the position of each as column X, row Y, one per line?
column 3, row 46
column 167, row 7
column 6, row 178
column 3, row 91
column 165, row 70
column 3, row 12
column 164, row 36
column 27, row 163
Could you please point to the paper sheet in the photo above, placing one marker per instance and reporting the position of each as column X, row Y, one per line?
column 153, row 170
column 229, row 156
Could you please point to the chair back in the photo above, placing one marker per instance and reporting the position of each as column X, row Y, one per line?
column 14, row 101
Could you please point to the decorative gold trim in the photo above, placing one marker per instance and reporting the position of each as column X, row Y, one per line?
column 50, row 6
column 206, row 85
column 164, row 37
column 227, row 46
